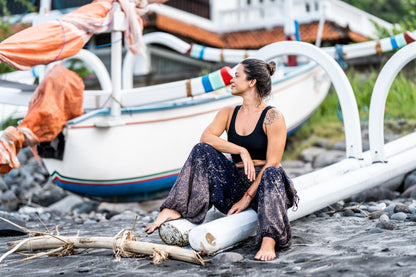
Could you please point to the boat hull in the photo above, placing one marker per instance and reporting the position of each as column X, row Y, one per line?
column 141, row 153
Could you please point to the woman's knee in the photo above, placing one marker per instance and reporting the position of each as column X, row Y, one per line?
column 202, row 147
column 272, row 170
column 270, row 175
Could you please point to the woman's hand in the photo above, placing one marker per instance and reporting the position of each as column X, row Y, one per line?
column 240, row 205
column 249, row 169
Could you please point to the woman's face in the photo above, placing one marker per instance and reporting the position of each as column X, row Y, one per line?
column 239, row 83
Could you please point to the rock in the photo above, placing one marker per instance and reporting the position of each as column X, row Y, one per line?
column 118, row 207
column 227, row 257
column 65, row 205
column 384, row 218
column 9, row 201
column 411, row 217
column 9, row 230
column 349, row 213
column 399, row 216
column 376, row 214
column 85, row 207
column 402, row 208
column 409, row 180
column 309, row 154
column 322, row 143
column 327, row 158
column 49, row 195
column 298, row 171
column 375, row 231
column 393, row 184
column 339, row 146
column 409, row 192
column 293, row 164
column 365, row 145
column 378, row 207
column 125, row 216
column 375, row 194
column 385, row 225
column 3, row 185
column 390, row 208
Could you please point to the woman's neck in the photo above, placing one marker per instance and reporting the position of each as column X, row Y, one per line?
column 252, row 105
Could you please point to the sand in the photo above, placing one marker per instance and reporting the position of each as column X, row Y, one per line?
column 322, row 246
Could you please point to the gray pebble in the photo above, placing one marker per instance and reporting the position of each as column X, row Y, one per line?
column 360, row 215
column 402, row 208
column 385, row 225
column 3, row 185
column 375, row 230
column 349, row 213
column 400, row 216
column 228, row 257
column 411, row 217
column 376, row 214
column 390, row 208
column 384, row 218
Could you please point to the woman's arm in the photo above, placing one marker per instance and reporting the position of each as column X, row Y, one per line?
column 275, row 128
column 212, row 134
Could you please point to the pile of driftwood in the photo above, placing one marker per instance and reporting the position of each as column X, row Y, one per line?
column 124, row 244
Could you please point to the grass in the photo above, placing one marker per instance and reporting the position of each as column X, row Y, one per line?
column 326, row 122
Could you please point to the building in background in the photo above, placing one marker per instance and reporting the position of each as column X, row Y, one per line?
column 239, row 24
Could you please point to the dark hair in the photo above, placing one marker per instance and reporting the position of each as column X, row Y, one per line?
column 262, row 72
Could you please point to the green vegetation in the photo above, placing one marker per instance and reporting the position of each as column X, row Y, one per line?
column 389, row 10
column 326, row 121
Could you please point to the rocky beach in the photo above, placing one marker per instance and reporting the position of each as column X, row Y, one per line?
column 369, row 234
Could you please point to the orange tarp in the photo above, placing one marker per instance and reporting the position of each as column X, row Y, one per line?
column 62, row 38
column 58, row 99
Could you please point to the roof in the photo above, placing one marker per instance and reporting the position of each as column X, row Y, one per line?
column 252, row 39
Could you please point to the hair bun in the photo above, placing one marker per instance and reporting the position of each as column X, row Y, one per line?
column 271, row 67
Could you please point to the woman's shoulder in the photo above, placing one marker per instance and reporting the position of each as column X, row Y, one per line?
column 228, row 110
column 273, row 115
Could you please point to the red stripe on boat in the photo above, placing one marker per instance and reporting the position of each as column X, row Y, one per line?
column 225, row 74
column 408, row 37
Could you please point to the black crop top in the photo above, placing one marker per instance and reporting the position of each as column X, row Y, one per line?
column 255, row 142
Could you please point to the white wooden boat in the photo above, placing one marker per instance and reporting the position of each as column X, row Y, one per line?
column 141, row 151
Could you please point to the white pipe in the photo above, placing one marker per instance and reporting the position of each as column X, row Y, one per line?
column 116, row 53
column 338, row 78
column 344, row 186
column 223, row 232
column 323, row 6
column 289, row 25
column 379, row 97
column 94, row 63
column 227, row 231
column 45, row 7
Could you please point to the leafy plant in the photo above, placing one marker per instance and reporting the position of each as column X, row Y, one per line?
column 326, row 122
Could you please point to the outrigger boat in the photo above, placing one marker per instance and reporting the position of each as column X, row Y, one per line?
column 133, row 146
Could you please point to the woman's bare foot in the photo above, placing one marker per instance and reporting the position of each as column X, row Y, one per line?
column 266, row 252
column 165, row 215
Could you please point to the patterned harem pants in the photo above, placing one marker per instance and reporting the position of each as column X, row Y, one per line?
column 209, row 178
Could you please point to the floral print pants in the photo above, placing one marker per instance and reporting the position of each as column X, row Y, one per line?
column 209, row 178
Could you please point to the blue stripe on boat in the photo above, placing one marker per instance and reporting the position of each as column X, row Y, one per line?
column 201, row 54
column 206, row 83
column 124, row 190
column 393, row 43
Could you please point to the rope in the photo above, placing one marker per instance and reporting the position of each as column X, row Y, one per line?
column 340, row 56
column 119, row 242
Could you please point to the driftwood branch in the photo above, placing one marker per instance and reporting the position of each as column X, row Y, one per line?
column 124, row 244
column 137, row 247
